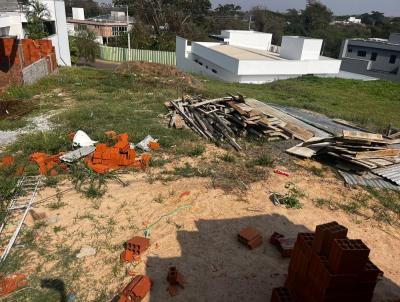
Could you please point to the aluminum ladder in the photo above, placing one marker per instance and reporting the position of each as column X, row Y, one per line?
column 19, row 207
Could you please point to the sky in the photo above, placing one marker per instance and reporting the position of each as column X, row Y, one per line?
column 339, row 7
column 391, row 8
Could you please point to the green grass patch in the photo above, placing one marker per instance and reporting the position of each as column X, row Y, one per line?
column 373, row 104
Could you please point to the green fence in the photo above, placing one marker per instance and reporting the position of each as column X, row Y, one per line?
column 123, row 54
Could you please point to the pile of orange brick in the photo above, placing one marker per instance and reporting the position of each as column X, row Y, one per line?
column 105, row 158
column 327, row 266
column 15, row 55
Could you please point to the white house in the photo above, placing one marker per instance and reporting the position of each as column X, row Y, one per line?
column 249, row 57
column 13, row 23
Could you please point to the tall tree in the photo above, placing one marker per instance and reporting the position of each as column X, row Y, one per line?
column 316, row 16
column 36, row 14
column 265, row 20
column 86, row 45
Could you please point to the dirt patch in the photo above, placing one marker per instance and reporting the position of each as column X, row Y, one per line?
column 13, row 109
column 199, row 240
column 159, row 74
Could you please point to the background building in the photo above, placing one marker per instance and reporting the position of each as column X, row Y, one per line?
column 378, row 58
column 249, row 57
column 105, row 27
column 13, row 22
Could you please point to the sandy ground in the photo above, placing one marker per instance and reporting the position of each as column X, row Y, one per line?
column 200, row 240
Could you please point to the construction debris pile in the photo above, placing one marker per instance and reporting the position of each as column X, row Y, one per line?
column 362, row 157
column 374, row 158
column 221, row 120
column 327, row 266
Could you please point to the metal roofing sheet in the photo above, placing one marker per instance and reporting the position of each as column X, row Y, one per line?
column 317, row 120
column 368, row 180
column 390, row 172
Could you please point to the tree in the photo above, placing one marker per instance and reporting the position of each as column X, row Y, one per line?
column 270, row 22
column 228, row 10
column 316, row 16
column 36, row 14
column 86, row 45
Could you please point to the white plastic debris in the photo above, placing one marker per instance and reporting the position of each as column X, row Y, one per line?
column 81, row 139
column 144, row 144
column 86, row 251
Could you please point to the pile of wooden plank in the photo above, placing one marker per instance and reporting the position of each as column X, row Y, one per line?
column 221, row 120
column 353, row 150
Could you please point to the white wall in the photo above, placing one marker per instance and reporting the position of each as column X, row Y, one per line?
column 250, row 39
column 220, row 66
column 78, row 13
column 289, row 67
column 13, row 21
column 299, row 48
column 60, row 40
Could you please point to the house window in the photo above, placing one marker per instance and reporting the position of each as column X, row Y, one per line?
column 392, row 59
column 214, row 71
column 374, row 55
column 361, row 53
column 349, row 49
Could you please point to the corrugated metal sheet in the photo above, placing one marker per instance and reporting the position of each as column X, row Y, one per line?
column 368, row 180
column 317, row 120
column 391, row 172
column 123, row 54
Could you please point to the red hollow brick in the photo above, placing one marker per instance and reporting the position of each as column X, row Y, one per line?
column 137, row 245
column 250, row 237
column 348, row 256
column 136, row 290
column 325, row 234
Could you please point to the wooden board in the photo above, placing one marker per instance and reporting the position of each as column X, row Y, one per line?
column 378, row 154
column 301, row 151
column 298, row 132
column 363, row 136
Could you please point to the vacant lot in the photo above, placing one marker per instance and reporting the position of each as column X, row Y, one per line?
column 210, row 192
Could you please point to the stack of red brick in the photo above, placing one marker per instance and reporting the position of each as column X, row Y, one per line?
column 327, row 266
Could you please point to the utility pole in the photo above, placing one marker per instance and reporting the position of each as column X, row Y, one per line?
column 250, row 22
column 127, row 27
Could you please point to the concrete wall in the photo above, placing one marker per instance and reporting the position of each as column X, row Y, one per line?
column 202, row 50
column 250, row 39
column 35, row 71
column 289, row 67
column 299, row 48
column 60, row 40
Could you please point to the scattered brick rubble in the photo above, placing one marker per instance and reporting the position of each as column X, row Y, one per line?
column 11, row 283
column 136, row 290
column 327, row 266
column 48, row 164
column 134, row 248
column 175, row 280
column 250, row 237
